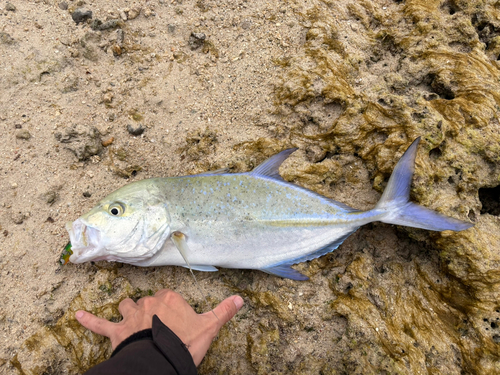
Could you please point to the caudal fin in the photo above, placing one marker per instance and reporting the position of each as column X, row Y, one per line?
column 396, row 200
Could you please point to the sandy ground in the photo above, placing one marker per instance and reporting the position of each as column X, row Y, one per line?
column 211, row 84
column 47, row 84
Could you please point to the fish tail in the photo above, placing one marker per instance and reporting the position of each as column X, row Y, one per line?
column 396, row 200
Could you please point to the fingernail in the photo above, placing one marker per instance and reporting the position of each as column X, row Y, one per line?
column 79, row 314
column 238, row 301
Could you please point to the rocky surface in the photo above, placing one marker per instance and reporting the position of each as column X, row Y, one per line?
column 225, row 85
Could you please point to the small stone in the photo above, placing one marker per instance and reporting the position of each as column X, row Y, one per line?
column 117, row 50
column 6, row 38
column 13, row 185
column 99, row 25
column 196, row 40
column 81, row 15
column 63, row 5
column 245, row 25
column 171, row 29
column 10, row 7
column 123, row 15
column 108, row 142
column 18, row 217
column 86, row 194
column 135, row 131
column 23, row 134
column 120, row 37
column 107, row 98
column 133, row 13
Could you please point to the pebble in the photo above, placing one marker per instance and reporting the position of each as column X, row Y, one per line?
column 18, row 217
column 108, row 142
column 99, row 25
column 196, row 40
column 86, row 194
column 81, row 15
column 135, row 131
column 63, row 5
column 10, row 7
column 23, row 134
column 6, row 38
column 133, row 13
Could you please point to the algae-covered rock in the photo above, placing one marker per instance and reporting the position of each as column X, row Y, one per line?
column 68, row 347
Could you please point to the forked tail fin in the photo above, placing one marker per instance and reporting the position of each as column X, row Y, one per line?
column 396, row 200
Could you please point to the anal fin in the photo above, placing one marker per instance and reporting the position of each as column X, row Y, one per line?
column 284, row 270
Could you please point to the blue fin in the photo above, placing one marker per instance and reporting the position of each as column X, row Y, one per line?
column 271, row 166
column 396, row 200
column 286, row 271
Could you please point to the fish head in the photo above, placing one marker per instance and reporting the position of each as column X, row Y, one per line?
column 128, row 226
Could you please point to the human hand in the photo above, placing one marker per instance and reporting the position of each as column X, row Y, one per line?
column 196, row 331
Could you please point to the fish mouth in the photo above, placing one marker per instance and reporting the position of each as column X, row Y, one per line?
column 85, row 241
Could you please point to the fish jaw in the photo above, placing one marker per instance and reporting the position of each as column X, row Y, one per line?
column 85, row 241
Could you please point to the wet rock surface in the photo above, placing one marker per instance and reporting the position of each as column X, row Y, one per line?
column 350, row 83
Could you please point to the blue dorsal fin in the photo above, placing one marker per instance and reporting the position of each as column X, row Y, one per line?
column 271, row 166
column 284, row 270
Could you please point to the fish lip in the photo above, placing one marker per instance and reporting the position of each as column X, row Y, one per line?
column 84, row 240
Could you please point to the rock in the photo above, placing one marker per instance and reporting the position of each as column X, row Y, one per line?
column 18, row 217
column 10, row 7
column 108, row 142
column 6, row 38
column 81, row 15
column 83, row 140
column 196, row 40
column 63, row 5
column 23, row 134
column 120, row 37
column 99, row 25
column 138, row 130
column 133, row 13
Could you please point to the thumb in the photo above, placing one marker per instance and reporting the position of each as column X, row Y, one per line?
column 227, row 309
column 97, row 325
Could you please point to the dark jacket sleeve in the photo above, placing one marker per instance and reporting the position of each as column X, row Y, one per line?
column 150, row 352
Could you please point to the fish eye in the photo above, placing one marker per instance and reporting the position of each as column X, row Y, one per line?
column 116, row 209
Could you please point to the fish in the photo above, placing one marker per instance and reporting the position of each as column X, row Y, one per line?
column 252, row 220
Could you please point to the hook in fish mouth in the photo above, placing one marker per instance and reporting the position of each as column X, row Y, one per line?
column 66, row 254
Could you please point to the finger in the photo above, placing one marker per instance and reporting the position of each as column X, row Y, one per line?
column 227, row 309
column 127, row 306
column 97, row 325
column 162, row 292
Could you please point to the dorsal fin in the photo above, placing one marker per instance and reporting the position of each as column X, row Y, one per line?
column 271, row 166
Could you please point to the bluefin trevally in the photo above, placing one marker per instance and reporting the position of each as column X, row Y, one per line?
column 253, row 220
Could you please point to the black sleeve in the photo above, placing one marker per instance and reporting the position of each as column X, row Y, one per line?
column 150, row 352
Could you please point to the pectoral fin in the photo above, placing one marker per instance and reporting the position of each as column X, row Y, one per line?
column 203, row 268
column 180, row 242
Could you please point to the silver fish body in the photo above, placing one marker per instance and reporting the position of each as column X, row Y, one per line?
column 253, row 220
